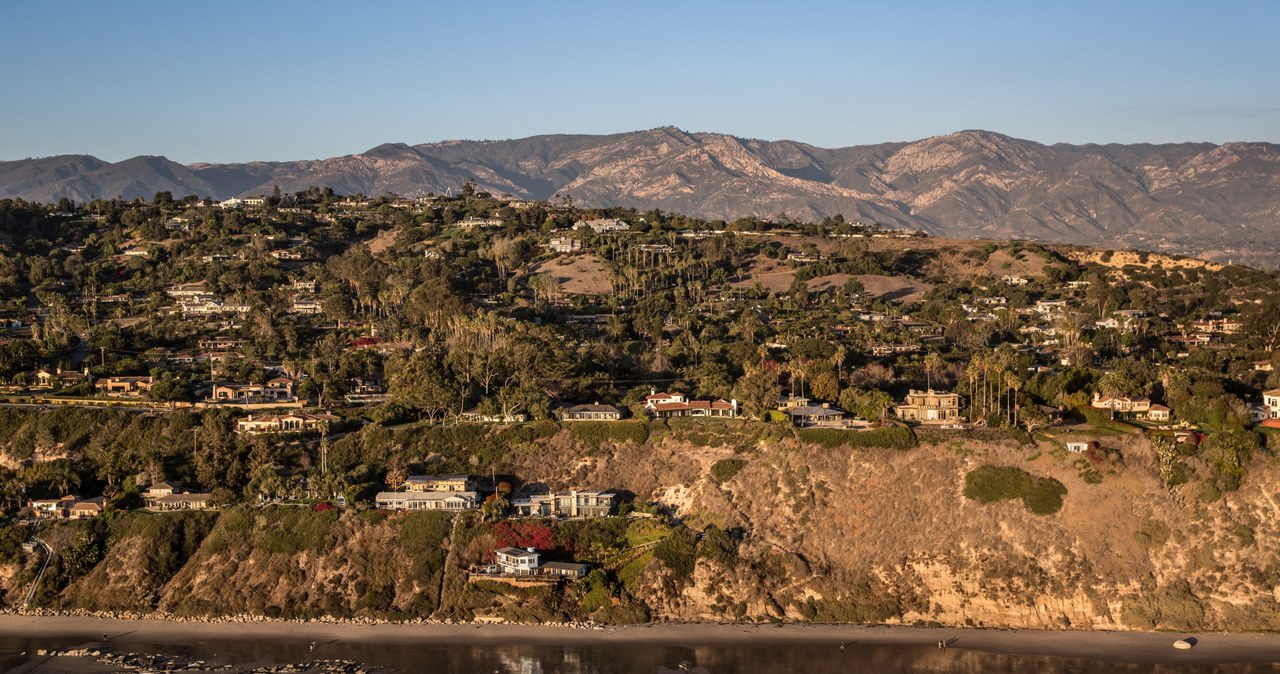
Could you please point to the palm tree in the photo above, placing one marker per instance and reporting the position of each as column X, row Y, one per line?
column 932, row 362
column 974, row 367
column 1013, row 384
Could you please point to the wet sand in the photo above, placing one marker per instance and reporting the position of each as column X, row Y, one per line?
column 1132, row 647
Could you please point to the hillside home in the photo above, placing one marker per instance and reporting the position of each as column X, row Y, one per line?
column 51, row 508
column 478, row 417
column 172, row 502
column 59, row 378
column 930, row 407
column 1271, row 401
column 284, row 423
column 188, row 291
column 453, row 501
column 565, row 244
column 516, row 561
column 305, row 305
column 592, row 412
column 668, row 405
column 788, row 401
column 279, row 390
column 221, row 343
column 569, row 570
column 439, row 483
column 124, row 386
column 605, row 225
column 1122, row 404
column 816, row 415
column 470, row 223
column 90, row 507
column 565, row 504
column 1158, row 413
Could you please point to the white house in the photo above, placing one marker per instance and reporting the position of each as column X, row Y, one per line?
column 517, row 561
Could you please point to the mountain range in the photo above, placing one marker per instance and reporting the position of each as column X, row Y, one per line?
column 1216, row 201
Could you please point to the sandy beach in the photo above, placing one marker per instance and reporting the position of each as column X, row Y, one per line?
column 1135, row 647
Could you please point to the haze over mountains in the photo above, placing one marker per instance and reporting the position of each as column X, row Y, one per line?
column 1216, row 201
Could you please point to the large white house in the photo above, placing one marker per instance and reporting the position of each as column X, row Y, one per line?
column 427, row 500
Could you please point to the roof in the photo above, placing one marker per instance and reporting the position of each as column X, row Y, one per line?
column 1272, row 392
column 695, row 405
column 95, row 503
column 565, row 566
column 425, row 495
column 815, row 411
column 515, row 552
column 184, row 498
column 597, row 407
column 435, row 478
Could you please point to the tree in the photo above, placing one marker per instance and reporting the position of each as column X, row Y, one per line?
column 1033, row 417
column 825, row 386
column 872, row 405
column 932, row 363
column 757, row 390
column 494, row 507
column 397, row 473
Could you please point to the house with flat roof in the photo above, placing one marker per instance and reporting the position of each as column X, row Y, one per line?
column 930, row 407
column 439, row 483
column 453, row 501
column 565, row 504
column 516, row 561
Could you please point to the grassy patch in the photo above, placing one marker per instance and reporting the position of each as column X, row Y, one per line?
column 1041, row 495
column 887, row 437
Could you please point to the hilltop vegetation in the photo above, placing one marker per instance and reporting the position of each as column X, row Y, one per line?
column 449, row 335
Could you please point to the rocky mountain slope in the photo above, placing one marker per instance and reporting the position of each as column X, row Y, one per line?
column 1194, row 198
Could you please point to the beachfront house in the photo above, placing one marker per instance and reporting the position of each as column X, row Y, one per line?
column 517, row 561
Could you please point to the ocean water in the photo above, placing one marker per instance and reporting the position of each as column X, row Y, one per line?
column 17, row 654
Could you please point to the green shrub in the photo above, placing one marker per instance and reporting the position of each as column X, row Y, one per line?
column 718, row 547
column 724, row 469
column 677, row 552
column 596, row 433
column 1041, row 495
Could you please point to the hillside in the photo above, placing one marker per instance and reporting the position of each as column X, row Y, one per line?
column 1214, row 201
column 819, row 529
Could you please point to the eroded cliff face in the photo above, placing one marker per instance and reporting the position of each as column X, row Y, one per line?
column 851, row 526
column 843, row 534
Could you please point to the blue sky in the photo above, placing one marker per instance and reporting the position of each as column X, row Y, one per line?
column 238, row 81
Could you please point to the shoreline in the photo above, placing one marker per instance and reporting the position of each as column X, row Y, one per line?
column 1128, row 647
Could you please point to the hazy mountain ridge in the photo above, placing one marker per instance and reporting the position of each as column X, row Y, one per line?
column 1200, row 198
